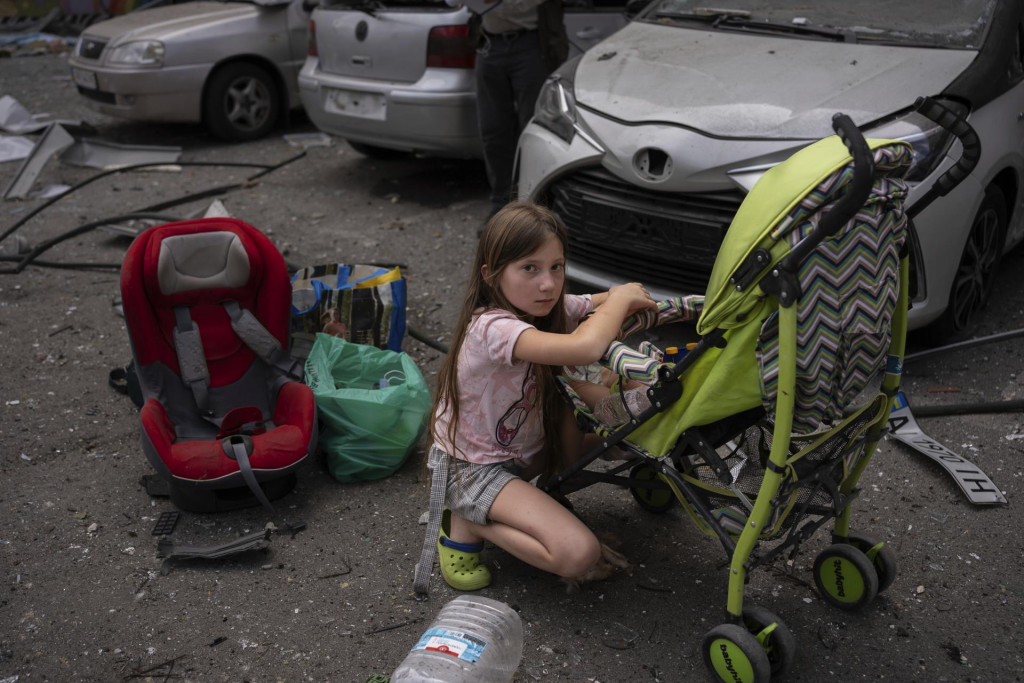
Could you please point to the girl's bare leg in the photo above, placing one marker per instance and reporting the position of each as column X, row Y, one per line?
column 533, row 526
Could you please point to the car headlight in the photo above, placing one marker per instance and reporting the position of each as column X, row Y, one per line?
column 138, row 53
column 929, row 140
column 556, row 104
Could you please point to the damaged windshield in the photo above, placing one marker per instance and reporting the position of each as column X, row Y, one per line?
column 950, row 24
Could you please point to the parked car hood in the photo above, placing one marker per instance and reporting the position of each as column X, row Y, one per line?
column 733, row 85
column 163, row 22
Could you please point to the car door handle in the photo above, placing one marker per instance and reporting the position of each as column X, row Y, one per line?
column 588, row 33
column 361, row 61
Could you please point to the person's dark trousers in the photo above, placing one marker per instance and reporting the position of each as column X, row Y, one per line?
column 509, row 74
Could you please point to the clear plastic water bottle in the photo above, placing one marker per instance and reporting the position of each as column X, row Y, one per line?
column 472, row 640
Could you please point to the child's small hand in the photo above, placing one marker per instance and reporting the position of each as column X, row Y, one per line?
column 637, row 296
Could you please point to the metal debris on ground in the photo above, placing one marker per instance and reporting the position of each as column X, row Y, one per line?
column 102, row 154
column 169, row 550
column 53, row 140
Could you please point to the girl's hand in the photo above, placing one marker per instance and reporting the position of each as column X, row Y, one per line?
column 635, row 295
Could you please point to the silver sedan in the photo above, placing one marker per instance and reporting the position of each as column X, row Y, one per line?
column 229, row 65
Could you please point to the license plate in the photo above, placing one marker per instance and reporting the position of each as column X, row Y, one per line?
column 86, row 79
column 366, row 105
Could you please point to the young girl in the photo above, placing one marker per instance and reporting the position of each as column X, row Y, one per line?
column 498, row 420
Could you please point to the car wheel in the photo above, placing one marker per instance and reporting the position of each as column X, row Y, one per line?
column 375, row 152
column 976, row 273
column 242, row 102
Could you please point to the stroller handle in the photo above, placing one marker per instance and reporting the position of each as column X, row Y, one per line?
column 847, row 207
column 954, row 123
column 863, row 175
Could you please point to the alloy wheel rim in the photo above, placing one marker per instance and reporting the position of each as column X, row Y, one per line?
column 247, row 103
column 974, row 277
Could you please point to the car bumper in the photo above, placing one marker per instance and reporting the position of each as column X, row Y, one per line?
column 436, row 115
column 164, row 94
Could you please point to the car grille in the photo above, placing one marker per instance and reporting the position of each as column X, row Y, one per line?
column 90, row 48
column 664, row 240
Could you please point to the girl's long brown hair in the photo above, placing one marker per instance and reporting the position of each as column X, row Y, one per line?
column 515, row 232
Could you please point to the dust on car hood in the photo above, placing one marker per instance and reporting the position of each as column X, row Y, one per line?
column 162, row 22
column 732, row 85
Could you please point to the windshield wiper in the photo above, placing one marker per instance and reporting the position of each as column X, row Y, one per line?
column 764, row 26
column 740, row 20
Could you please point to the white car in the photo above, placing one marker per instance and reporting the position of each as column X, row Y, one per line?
column 647, row 144
column 229, row 65
column 396, row 76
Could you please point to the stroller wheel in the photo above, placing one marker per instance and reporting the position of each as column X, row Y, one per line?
column 731, row 653
column 845, row 577
column 650, row 499
column 882, row 558
column 774, row 636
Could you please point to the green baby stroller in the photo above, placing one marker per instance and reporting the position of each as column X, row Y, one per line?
column 762, row 431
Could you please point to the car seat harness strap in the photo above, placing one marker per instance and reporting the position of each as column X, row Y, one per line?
column 188, row 345
column 262, row 342
column 238, row 447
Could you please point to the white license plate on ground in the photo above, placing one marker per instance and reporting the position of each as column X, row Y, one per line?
column 365, row 105
column 86, row 79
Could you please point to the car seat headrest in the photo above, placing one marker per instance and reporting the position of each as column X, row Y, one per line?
column 213, row 260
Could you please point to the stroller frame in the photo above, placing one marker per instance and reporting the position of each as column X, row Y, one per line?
column 796, row 496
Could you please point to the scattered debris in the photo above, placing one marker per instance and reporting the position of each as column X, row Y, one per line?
column 99, row 153
column 169, row 550
column 53, row 140
column 954, row 653
column 15, row 147
column 35, row 44
column 307, row 140
column 164, row 669
column 166, row 522
column 49, row 191
column 621, row 637
column 334, row 575
column 14, row 118
column 382, row 629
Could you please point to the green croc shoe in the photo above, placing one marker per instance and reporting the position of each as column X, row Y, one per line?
column 460, row 562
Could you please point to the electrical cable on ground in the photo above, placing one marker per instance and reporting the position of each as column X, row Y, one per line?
column 420, row 336
column 267, row 168
column 969, row 408
column 92, row 225
column 999, row 336
column 147, row 212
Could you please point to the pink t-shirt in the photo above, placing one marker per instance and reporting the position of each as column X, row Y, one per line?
column 499, row 411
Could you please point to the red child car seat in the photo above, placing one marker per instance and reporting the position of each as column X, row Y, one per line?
column 224, row 422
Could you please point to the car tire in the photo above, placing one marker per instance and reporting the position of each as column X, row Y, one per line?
column 976, row 273
column 375, row 152
column 242, row 102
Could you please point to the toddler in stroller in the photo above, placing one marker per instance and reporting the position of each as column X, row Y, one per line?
column 762, row 431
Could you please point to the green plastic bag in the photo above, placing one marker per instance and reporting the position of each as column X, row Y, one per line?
column 373, row 405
